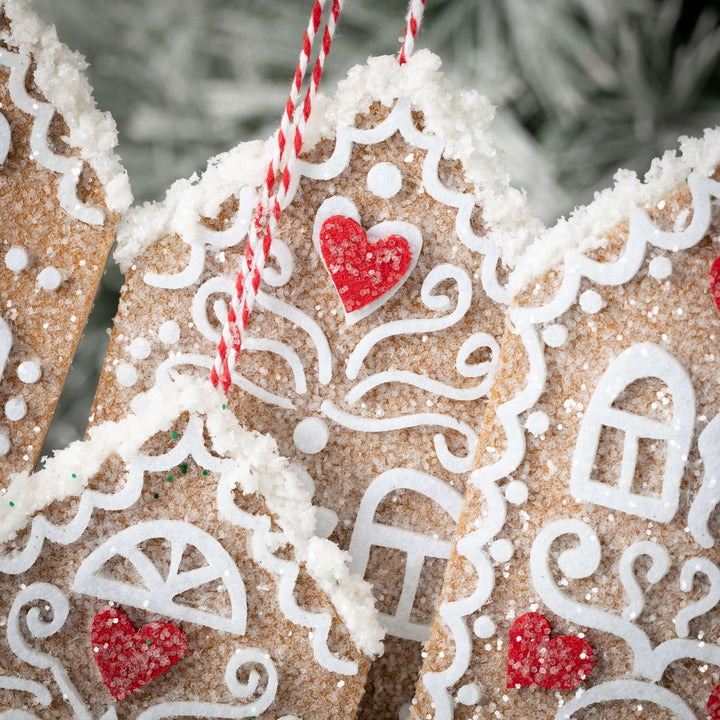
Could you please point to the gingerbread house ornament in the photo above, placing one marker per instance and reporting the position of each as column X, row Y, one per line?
column 585, row 577
column 376, row 331
column 166, row 567
column 61, row 188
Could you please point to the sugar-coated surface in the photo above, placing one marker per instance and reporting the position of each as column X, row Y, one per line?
column 59, row 76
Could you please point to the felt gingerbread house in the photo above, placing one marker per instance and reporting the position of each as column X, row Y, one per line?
column 585, row 575
column 61, row 188
column 376, row 331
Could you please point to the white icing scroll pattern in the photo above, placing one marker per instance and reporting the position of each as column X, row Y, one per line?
column 5, row 138
column 708, row 495
column 159, row 588
column 6, row 340
column 660, row 564
column 526, row 322
column 68, row 167
column 582, row 561
column 637, row 362
column 417, row 546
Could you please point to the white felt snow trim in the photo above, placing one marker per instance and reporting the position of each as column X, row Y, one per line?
column 68, row 167
column 708, row 496
column 582, row 561
column 400, row 120
column 645, row 360
column 284, row 494
column 416, row 326
column 691, row 568
column 626, row 690
column 450, row 461
column 5, row 138
column 338, row 205
column 660, row 564
column 417, row 546
column 159, row 587
column 453, row 613
column 60, row 76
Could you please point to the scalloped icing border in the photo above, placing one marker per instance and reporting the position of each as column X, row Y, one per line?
column 69, row 168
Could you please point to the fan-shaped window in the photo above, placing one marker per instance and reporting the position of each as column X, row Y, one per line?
column 644, row 477
column 196, row 559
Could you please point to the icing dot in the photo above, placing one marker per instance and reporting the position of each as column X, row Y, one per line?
column 29, row 371
column 326, row 521
column 15, row 409
column 16, row 259
column 660, row 268
column 50, row 278
column 516, row 492
column 4, row 444
column 555, row 335
column 126, row 375
column 469, row 694
column 311, row 435
column 384, row 180
column 169, row 332
column 140, row 348
column 501, row 551
column 484, row 627
column 140, row 403
column 537, row 422
column 591, row 302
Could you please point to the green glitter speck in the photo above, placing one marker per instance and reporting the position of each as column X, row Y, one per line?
column 169, row 478
column 174, row 435
column 74, row 475
column 206, row 472
column 183, row 468
column 156, row 495
column 148, row 642
column 12, row 504
column 224, row 407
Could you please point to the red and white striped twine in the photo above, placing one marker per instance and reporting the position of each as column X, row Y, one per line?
column 270, row 205
column 416, row 8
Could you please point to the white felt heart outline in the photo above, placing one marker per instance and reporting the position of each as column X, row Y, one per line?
column 338, row 205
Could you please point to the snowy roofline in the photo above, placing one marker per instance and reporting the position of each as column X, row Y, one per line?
column 258, row 468
column 60, row 76
column 460, row 118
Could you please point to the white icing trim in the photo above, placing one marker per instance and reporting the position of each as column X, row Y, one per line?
column 626, row 690
column 60, row 76
column 582, row 561
column 5, row 138
column 271, row 476
column 39, row 692
column 415, row 326
column 453, row 463
column 659, row 566
column 157, row 592
column 644, row 360
column 708, row 496
column 68, row 167
column 6, row 340
column 416, row 546
column 691, row 568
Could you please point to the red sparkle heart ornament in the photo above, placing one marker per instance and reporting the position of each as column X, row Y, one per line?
column 361, row 271
column 715, row 281
column 713, row 705
column 534, row 659
column 127, row 659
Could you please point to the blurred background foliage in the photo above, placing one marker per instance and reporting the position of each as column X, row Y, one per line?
column 582, row 87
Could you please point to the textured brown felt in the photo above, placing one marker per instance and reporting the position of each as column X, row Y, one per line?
column 351, row 460
column 46, row 325
column 305, row 689
column 680, row 315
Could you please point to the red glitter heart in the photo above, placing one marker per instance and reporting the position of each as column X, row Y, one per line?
column 715, row 281
column 713, row 705
column 534, row 659
column 361, row 271
column 126, row 659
